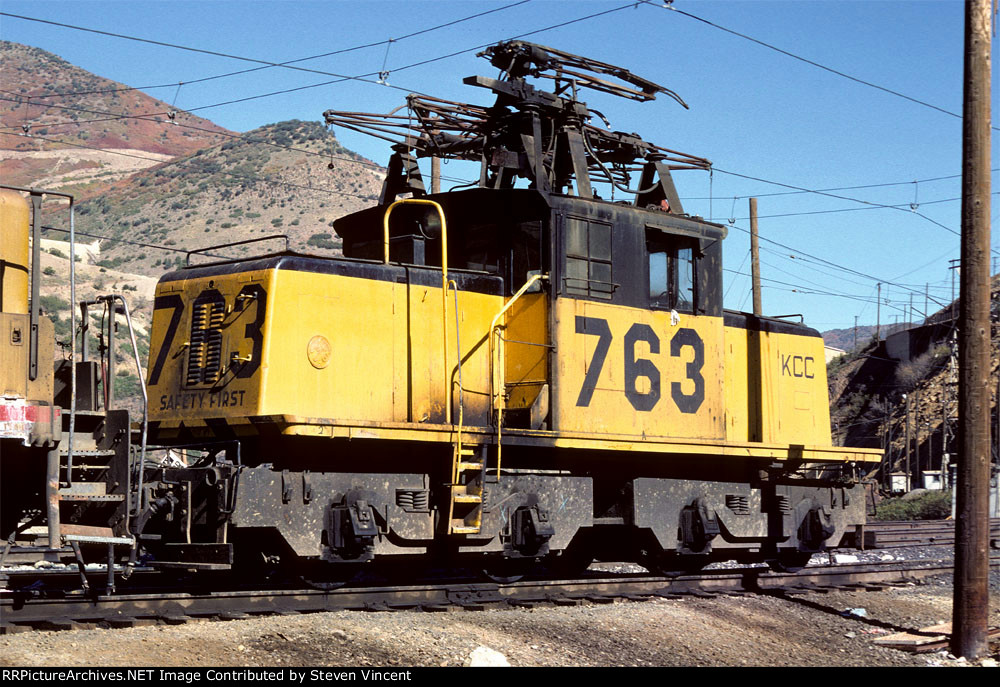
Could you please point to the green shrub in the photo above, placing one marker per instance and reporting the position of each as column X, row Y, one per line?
column 930, row 505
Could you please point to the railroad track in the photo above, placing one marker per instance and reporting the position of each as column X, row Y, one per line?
column 902, row 533
column 26, row 609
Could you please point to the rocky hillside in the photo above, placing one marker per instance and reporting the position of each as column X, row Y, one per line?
column 844, row 339
column 59, row 123
column 173, row 185
column 870, row 391
column 290, row 178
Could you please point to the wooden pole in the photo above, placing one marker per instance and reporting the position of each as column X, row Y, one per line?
column 971, row 601
column 755, row 259
column 909, row 484
column 435, row 175
column 878, row 314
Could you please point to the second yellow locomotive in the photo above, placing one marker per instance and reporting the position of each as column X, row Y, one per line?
column 520, row 370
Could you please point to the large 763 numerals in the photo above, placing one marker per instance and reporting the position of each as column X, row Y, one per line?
column 636, row 368
column 253, row 330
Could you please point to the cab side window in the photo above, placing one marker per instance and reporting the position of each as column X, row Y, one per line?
column 672, row 271
column 588, row 259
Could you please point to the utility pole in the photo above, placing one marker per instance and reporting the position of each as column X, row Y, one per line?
column 878, row 314
column 908, row 483
column 855, row 331
column 971, row 590
column 755, row 259
column 954, row 265
column 944, row 440
column 917, row 482
column 435, row 175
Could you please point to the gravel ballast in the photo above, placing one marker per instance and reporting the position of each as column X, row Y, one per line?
column 809, row 630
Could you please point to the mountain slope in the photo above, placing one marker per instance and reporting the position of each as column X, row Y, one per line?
column 290, row 178
column 56, row 119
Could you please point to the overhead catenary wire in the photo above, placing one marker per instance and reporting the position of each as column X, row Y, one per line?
column 364, row 78
column 341, row 78
column 331, row 53
column 838, row 188
column 128, row 241
column 671, row 7
column 840, row 197
column 185, row 162
column 879, row 206
column 837, row 266
column 244, row 138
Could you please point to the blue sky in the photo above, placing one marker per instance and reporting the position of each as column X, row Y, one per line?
column 753, row 111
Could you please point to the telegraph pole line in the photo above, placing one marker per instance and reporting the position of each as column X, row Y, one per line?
column 954, row 265
column 971, row 601
column 878, row 314
column 755, row 259
column 909, row 484
column 435, row 175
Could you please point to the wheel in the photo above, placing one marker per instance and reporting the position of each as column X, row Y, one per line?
column 326, row 577
column 569, row 563
column 789, row 562
column 508, row 570
column 674, row 565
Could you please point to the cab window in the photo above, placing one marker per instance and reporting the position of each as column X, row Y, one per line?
column 588, row 259
column 672, row 271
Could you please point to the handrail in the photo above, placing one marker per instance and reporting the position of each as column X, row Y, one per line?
column 110, row 300
column 444, row 280
column 495, row 382
column 461, row 405
column 202, row 251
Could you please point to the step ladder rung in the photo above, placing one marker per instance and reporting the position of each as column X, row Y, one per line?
column 91, row 539
column 468, row 465
column 92, row 497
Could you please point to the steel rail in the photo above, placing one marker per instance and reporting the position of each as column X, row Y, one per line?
column 26, row 610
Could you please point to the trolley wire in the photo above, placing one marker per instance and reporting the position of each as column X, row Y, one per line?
column 840, row 197
column 808, row 61
column 839, row 188
column 288, row 62
column 185, row 162
column 364, row 78
column 899, row 206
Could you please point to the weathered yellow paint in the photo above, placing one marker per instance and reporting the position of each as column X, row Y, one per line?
column 386, row 358
column 659, row 446
column 388, row 377
column 786, row 401
column 15, row 218
column 610, row 410
column 170, row 398
column 525, row 350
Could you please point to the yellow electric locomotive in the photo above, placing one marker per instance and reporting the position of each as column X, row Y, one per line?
column 517, row 371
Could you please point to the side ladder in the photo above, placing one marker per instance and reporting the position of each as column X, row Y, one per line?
column 468, row 475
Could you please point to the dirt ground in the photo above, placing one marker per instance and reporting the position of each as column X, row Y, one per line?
column 811, row 630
